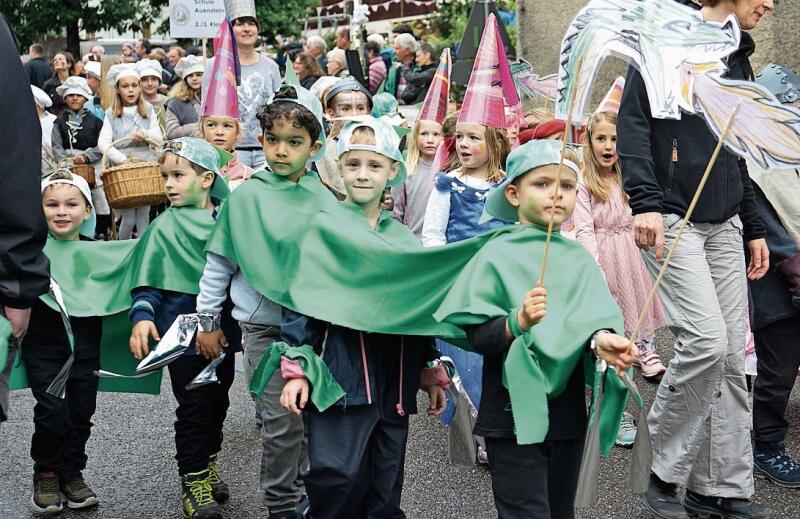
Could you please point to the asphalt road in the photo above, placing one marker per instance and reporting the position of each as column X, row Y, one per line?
column 131, row 465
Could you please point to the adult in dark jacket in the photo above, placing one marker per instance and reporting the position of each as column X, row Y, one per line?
column 24, row 269
column 775, row 310
column 37, row 68
column 699, row 420
column 418, row 80
column 63, row 67
column 776, row 329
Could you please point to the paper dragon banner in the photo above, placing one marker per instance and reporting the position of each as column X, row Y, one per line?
column 531, row 85
column 679, row 56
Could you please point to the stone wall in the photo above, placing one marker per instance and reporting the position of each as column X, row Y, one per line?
column 542, row 24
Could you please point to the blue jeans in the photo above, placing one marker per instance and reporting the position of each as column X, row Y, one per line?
column 253, row 158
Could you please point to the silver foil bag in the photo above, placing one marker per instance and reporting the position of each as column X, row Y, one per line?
column 208, row 375
column 172, row 344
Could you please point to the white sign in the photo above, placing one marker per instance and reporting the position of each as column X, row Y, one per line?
column 195, row 18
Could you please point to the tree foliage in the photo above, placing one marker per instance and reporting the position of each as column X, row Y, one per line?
column 33, row 19
column 450, row 22
column 282, row 17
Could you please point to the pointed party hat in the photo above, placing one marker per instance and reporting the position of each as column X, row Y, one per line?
column 611, row 101
column 435, row 106
column 290, row 78
column 491, row 87
column 221, row 98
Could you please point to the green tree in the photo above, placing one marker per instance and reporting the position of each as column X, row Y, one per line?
column 282, row 17
column 32, row 19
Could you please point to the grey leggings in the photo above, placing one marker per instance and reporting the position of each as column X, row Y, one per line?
column 138, row 217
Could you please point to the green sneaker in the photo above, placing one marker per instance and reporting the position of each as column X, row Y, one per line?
column 197, row 500
column 219, row 489
column 46, row 497
column 78, row 494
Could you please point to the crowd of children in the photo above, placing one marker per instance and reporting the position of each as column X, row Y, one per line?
column 469, row 178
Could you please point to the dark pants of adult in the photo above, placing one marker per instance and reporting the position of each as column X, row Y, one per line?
column 778, row 352
column 201, row 412
column 357, row 456
column 534, row 481
column 61, row 426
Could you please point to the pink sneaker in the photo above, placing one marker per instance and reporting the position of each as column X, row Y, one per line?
column 652, row 367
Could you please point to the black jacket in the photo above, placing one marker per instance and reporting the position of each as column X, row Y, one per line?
column 49, row 88
column 770, row 298
column 24, row 269
column 372, row 373
column 663, row 160
column 567, row 411
column 38, row 71
column 418, row 81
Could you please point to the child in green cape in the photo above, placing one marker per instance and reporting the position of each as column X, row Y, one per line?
column 538, row 336
column 62, row 425
column 190, row 168
column 357, row 446
column 292, row 135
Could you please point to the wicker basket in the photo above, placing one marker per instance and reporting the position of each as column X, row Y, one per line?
column 82, row 170
column 132, row 184
column 86, row 171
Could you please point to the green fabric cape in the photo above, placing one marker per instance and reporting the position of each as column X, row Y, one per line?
column 539, row 362
column 260, row 225
column 96, row 279
column 325, row 391
column 315, row 256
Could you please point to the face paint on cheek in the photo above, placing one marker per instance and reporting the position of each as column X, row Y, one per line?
column 192, row 194
column 531, row 210
column 478, row 149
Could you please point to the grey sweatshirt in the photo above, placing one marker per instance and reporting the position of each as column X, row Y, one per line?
column 249, row 306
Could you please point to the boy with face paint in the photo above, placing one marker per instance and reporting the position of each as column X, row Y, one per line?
column 292, row 136
column 190, row 169
column 538, row 479
column 347, row 98
column 357, row 446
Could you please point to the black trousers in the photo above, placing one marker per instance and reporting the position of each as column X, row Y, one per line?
column 357, row 458
column 778, row 351
column 534, row 481
column 61, row 426
column 201, row 412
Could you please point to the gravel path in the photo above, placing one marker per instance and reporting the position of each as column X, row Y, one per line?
column 131, row 465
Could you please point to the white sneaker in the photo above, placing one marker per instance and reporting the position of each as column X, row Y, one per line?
column 650, row 364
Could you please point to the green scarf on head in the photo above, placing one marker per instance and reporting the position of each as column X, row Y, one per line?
column 325, row 391
column 96, row 279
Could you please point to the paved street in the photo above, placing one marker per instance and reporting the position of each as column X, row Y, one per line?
column 131, row 465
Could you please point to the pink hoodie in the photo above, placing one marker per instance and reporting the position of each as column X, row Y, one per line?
column 236, row 172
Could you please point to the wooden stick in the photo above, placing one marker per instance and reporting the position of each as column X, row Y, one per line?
column 203, row 43
column 570, row 110
column 649, row 301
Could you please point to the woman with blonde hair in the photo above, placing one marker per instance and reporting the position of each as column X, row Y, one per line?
column 129, row 116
